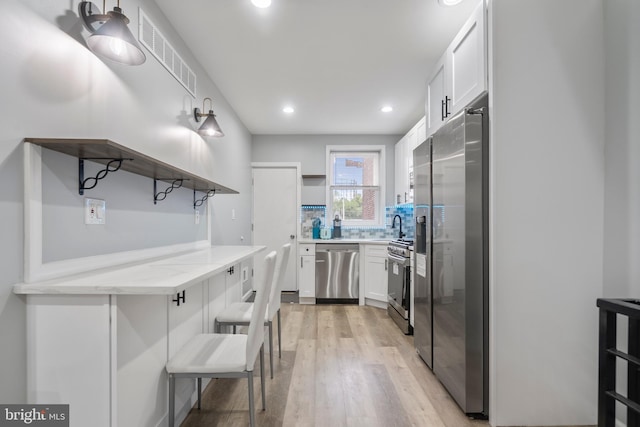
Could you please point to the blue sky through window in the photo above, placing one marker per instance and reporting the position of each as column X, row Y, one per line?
column 348, row 170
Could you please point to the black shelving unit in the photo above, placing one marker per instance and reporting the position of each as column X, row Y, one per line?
column 609, row 353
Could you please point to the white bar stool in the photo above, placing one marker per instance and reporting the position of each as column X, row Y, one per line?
column 239, row 313
column 226, row 355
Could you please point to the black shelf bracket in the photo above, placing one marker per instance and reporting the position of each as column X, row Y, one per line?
column 161, row 195
column 89, row 183
column 198, row 202
column 180, row 298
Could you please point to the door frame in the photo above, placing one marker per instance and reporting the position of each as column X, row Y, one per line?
column 282, row 165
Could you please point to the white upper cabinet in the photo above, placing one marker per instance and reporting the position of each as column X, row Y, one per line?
column 468, row 61
column 404, row 161
column 461, row 73
column 421, row 133
column 435, row 103
column 401, row 171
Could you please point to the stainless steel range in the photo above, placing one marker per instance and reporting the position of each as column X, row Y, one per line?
column 399, row 272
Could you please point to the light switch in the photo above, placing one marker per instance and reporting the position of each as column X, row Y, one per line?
column 94, row 211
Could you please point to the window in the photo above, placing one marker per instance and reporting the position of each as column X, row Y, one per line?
column 354, row 189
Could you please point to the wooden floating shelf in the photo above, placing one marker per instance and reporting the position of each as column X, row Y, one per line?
column 103, row 150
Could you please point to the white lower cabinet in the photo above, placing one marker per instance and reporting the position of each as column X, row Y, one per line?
column 375, row 273
column 142, row 343
column 107, row 354
column 233, row 284
column 307, row 273
column 70, row 346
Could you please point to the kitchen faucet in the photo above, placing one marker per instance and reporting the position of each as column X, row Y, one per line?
column 393, row 225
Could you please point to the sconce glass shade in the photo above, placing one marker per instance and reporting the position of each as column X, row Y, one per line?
column 210, row 126
column 114, row 40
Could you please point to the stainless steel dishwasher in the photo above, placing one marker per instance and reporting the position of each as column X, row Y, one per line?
column 337, row 273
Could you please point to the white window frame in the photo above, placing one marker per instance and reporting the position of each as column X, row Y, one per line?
column 380, row 149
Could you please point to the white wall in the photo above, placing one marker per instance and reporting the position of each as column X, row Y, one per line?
column 547, row 209
column 622, row 179
column 53, row 86
column 622, row 174
column 310, row 151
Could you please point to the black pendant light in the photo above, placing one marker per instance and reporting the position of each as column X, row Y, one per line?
column 210, row 126
column 110, row 35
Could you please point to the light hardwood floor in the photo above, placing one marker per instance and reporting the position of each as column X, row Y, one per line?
column 342, row 365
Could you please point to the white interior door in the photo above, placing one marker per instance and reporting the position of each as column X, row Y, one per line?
column 276, row 200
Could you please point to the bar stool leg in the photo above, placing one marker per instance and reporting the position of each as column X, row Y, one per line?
column 279, row 336
column 264, row 403
column 252, row 415
column 199, row 392
column 172, row 400
column 270, row 325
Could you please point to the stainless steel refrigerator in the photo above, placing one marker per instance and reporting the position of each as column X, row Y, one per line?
column 451, row 256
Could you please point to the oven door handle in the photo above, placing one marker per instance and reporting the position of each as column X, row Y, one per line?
column 397, row 258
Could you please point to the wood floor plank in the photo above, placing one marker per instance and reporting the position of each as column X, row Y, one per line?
column 342, row 365
column 417, row 405
column 291, row 328
column 301, row 399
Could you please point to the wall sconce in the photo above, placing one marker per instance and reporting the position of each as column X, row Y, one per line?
column 210, row 126
column 110, row 37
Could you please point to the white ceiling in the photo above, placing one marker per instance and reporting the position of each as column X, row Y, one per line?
column 336, row 61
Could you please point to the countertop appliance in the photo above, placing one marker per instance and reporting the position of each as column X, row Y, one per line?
column 399, row 279
column 451, row 319
column 337, row 227
column 325, row 233
column 337, row 273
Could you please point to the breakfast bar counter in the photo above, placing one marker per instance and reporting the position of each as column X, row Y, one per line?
column 161, row 276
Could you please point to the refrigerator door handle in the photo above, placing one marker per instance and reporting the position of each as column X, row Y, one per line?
column 480, row 110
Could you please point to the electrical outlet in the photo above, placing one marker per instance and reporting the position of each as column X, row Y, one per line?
column 95, row 211
column 197, row 218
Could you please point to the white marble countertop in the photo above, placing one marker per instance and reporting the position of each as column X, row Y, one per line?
column 159, row 276
column 352, row 241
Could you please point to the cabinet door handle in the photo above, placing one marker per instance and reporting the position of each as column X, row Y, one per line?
column 386, row 263
column 442, row 116
column 447, row 100
column 301, row 262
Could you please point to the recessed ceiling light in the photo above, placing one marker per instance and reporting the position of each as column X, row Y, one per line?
column 288, row 109
column 386, row 109
column 261, row 3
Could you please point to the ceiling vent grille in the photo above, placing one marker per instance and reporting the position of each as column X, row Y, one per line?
column 157, row 44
